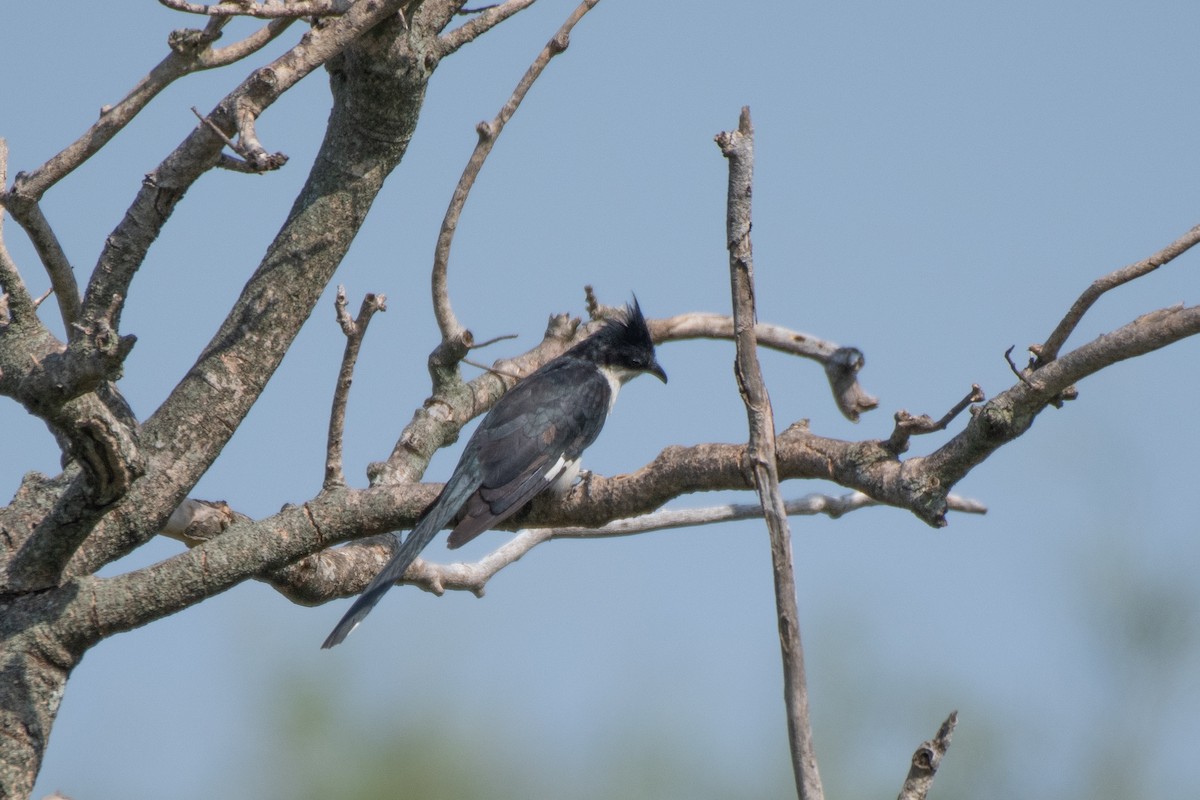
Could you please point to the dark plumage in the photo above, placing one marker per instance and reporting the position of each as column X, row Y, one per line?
column 530, row 441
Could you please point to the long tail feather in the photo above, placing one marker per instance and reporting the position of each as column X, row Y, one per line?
column 439, row 513
column 417, row 540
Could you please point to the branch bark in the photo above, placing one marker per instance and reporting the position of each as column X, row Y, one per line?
column 738, row 147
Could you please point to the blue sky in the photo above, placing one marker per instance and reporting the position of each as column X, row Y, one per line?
column 935, row 182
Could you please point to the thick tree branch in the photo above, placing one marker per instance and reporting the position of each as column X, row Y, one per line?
column 204, row 410
column 1012, row 412
column 271, row 9
column 346, row 571
column 738, row 148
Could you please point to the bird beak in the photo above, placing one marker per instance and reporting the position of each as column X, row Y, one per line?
column 657, row 371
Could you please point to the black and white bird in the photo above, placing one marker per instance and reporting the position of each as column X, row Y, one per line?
column 529, row 442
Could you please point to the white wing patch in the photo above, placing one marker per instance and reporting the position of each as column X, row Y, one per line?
column 562, row 475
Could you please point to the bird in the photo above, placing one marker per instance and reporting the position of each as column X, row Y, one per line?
column 530, row 442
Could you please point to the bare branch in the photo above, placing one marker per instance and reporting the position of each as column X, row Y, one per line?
column 926, row 760
column 488, row 18
column 1009, row 414
column 190, row 52
column 355, row 330
column 223, row 56
column 255, row 159
column 907, row 425
column 456, row 339
column 738, row 147
column 28, row 213
column 345, row 571
column 841, row 363
column 270, row 9
column 17, row 302
column 1047, row 352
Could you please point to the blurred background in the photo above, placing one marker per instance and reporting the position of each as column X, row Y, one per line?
column 935, row 182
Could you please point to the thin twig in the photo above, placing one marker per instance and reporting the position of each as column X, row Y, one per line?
column 452, row 331
column 190, row 52
column 489, row 17
column 738, row 147
column 494, row 370
column 908, row 425
column 355, row 330
column 1048, row 351
column 926, row 760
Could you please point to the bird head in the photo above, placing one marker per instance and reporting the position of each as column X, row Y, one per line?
column 623, row 345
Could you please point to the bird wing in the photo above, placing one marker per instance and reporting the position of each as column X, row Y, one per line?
column 519, row 448
column 532, row 435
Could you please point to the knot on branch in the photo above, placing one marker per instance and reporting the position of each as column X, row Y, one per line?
column 190, row 41
column 95, row 355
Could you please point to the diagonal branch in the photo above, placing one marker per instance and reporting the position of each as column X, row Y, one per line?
column 1048, row 351
column 45, row 243
column 204, row 410
column 191, row 51
column 18, row 304
column 738, row 147
column 456, row 340
column 488, row 18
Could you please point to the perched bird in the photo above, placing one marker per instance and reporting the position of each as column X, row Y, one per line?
column 530, row 441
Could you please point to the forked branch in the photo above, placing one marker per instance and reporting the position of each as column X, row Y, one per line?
column 354, row 330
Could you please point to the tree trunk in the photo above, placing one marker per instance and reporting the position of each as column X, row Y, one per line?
column 378, row 84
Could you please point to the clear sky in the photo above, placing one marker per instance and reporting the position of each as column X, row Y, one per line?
column 935, row 182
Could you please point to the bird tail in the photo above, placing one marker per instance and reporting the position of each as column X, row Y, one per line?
column 418, row 539
column 440, row 512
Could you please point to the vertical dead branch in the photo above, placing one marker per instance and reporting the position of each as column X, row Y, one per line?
column 738, row 147
column 355, row 330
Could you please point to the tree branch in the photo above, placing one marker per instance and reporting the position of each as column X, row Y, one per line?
column 191, row 51
column 926, row 760
column 738, row 147
column 841, row 363
column 488, row 18
column 271, row 9
column 1048, row 351
column 45, row 243
column 209, row 403
column 457, row 340
column 354, row 330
